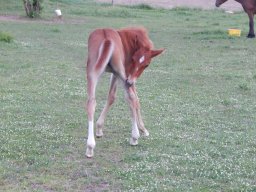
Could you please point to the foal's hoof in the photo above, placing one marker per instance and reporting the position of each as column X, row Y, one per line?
column 145, row 133
column 251, row 35
column 133, row 141
column 99, row 133
column 89, row 152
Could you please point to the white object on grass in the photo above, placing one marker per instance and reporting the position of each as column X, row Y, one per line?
column 58, row 12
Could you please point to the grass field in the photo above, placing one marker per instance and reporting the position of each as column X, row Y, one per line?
column 198, row 103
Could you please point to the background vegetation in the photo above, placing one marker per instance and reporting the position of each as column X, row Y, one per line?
column 33, row 8
column 198, row 102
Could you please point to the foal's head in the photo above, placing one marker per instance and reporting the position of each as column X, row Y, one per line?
column 141, row 57
column 141, row 61
column 219, row 2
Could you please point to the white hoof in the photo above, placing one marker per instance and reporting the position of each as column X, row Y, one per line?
column 133, row 141
column 89, row 152
column 99, row 133
column 90, row 147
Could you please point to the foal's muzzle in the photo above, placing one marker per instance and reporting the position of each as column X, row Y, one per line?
column 128, row 83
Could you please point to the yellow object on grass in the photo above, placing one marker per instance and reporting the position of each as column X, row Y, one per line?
column 234, row 32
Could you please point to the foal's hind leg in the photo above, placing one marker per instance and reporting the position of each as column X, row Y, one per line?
column 91, row 104
column 110, row 101
column 133, row 103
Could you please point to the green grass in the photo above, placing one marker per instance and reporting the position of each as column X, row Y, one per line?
column 198, row 102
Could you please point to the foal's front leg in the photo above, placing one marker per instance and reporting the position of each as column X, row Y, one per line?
column 140, row 123
column 133, row 104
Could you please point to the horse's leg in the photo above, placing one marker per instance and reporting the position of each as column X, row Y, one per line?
column 110, row 101
column 140, row 122
column 91, row 104
column 132, row 101
column 251, row 24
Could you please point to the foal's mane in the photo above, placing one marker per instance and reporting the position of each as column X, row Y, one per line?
column 137, row 37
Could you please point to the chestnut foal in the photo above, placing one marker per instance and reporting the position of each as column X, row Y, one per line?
column 125, row 53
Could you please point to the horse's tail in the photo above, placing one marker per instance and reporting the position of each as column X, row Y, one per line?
column 105, row 52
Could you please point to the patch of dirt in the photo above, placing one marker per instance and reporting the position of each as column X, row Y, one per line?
column 102, row 186
column 169, row 4
column 23, row 19
column 8, row 18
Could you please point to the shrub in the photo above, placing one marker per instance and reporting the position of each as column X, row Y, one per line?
column 142, row 6
column 33, row 8
column 5, row 37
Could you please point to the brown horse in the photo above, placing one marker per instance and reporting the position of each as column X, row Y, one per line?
column 250, row 8
column 125, row 53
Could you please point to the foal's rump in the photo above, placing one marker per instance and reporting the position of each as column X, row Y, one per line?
column 105, row 52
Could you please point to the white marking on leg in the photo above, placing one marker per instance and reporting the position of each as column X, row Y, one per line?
column 135, row 131
column 135, row 134
column 91, row 140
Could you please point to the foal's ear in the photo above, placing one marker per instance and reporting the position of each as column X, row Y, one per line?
column 154, row 53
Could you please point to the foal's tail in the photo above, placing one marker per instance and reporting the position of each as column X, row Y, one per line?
column 105, row 53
